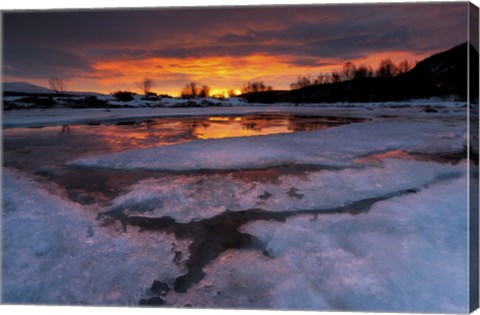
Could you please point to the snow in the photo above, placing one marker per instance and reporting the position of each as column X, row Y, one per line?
column 29, row 88
column 408, row 253
column 237, row 101
column 51, row 117
column 195, row 197
column 207, row 101
column 322, row 148
column 48, row 117
column 55, row 252
column 139, row 101
column 25, row 87
column 403, row 256
column 12, row 98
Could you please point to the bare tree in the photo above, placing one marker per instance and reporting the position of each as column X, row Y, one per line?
column 301, row 82
column 255, row 86
column 322, row 78
column 193, row 90
column 57, row 85
column 335, row 77
column 386, row 69
column 363, row 72
column 190, row 90
column 204, row 91
column 404, row 66
column 145, row 85
column 232, row 93
column 348, row 71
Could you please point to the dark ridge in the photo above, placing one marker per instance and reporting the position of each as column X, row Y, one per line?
column 153, row 301
column 443, row 74
column 212, row 236
column 51, row 95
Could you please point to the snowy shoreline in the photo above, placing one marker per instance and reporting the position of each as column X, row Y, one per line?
column 49, row 117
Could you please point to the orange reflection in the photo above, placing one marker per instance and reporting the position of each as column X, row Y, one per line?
column 400, row 154
column 226, row 127
column 375, row 158
column 144, row 135
column 128, row 135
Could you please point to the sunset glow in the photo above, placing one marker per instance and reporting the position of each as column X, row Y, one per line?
column 106, row 51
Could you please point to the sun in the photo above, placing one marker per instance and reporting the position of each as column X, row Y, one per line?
column 224, row 92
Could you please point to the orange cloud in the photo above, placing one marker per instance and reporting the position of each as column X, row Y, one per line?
column 220, row 73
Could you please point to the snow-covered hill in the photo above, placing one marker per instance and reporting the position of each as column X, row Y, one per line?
column 29, row 88
column 25, row 87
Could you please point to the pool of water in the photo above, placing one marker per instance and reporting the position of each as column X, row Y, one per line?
column 44, row 151
column 32, row 148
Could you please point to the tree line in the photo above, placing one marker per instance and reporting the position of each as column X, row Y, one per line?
column 192, row 90
column 386, row 68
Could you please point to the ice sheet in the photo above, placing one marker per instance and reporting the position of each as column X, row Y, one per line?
column 332, row 147
column 195, row 197
column 55, row 252
column 408, row 254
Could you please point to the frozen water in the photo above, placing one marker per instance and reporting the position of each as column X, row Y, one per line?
column 408, row 252
column 187, row 198
column 45, row 117
column 326, row 147
column 55, row 252
column 401, row 256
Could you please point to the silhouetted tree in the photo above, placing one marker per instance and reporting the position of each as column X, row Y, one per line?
column 322, row 78
column 57, row 85
column 123, row 96
column 363, row 72
column 190, row 90
column 404, row 66
column 145, row 85
column 232, row 93
column 204, row 91
column 348, row 71
column 301, row 82
column 255, row 86
column 335, row 77
column 386, row 69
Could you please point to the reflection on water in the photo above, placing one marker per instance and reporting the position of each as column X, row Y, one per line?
column 140, row 134
column 265, row 124
column 34, row 147
column 45, row 151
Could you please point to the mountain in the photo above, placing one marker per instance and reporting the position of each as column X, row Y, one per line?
column 29, row 89
column 442, row 74
column 25, row 88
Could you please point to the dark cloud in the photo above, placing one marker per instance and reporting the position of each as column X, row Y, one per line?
column 106, row 53
column 40, row 62
column 311, row 62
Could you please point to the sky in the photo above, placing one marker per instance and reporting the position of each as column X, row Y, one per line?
column 108, row 50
